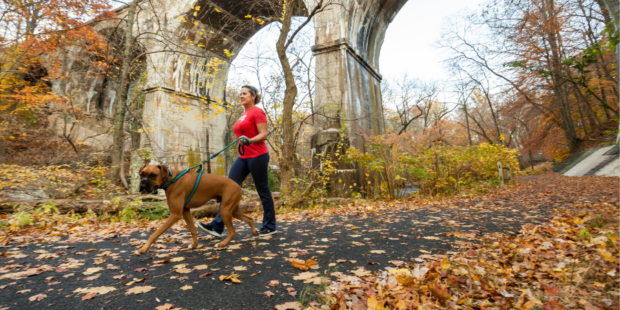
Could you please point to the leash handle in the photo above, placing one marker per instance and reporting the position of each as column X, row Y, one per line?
column 245, row 141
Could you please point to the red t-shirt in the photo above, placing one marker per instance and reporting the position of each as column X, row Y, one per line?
column 246, row 126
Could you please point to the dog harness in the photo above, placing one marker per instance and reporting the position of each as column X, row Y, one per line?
column 165, row 186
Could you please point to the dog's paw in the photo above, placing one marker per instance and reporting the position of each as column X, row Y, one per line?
column 137, row 253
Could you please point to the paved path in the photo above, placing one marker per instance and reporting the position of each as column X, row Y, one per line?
column 405, row 236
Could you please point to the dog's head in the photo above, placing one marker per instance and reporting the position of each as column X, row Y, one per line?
column 152, row 177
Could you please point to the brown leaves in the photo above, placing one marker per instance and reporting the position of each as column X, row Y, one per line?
column 291, row 291
column 274, row 283
column 303, row 265
column 89, row 296
column 440, row 291
column 204, row 275
column 550, row 290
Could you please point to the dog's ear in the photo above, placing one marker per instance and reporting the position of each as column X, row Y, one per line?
column 163, row 173
column 141, row 168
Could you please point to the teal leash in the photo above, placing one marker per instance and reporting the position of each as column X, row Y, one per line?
column 246, row 141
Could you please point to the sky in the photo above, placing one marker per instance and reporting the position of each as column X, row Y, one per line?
column 408, row 48
column 409, row 41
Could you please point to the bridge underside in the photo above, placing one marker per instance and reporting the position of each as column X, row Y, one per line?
column 184, row 92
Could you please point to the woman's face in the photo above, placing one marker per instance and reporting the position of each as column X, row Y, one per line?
column 246, row 97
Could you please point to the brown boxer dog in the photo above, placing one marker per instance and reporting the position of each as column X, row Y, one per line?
column 223, row 189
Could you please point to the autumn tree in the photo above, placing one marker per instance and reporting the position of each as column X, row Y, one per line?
column 35, row 40
column 551, row 60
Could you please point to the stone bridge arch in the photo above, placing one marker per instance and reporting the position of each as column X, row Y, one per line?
column 348, row 36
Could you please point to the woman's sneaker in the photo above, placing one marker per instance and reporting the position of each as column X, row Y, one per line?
column 266, row 232
column 209, row 229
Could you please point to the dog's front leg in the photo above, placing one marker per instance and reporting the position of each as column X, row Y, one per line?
column 173, row 218
column 189, row 219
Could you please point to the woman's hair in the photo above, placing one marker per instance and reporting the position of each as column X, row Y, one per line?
column 253, row 91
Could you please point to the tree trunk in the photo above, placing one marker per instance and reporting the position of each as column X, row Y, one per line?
column 548, row 11
column 122, row 90
column 288, row 128
column 467, row 123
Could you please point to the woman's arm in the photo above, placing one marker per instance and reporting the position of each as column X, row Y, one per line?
column 262, row 133
column 261, row 136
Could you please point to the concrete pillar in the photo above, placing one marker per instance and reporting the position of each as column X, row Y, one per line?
column 185, row 95
column 348, row 84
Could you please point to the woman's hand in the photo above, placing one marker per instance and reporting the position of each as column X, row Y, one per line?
column 240, row 142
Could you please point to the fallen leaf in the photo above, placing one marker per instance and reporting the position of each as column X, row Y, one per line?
column 164, row 307
column 204, row 275
column 268, row 293
column 361, row 272
column 293, row 305
column 291, row 291
column 201, row 267
column 89, row 296
column 274, row 283
column 182, row 270
column 240, row 268
column 377, row 251
column 139, row 290
column 90, row 271
column 177, row 259
column 186, row 287
column 305, row 275
column 37, row 297
column 99, row 290
column 233, row 277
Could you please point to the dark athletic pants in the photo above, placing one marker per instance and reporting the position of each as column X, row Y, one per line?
column 257, row 166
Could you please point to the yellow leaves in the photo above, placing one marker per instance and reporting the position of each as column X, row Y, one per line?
column 183, row 19
column 372, row 303
column 217, row 10
column 228, row 53
column 248, row 16
column 233, row 277
column 303, row 265
column 606, row 255
column 445, row 264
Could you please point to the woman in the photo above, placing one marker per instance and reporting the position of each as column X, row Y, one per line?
column 253, row 126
